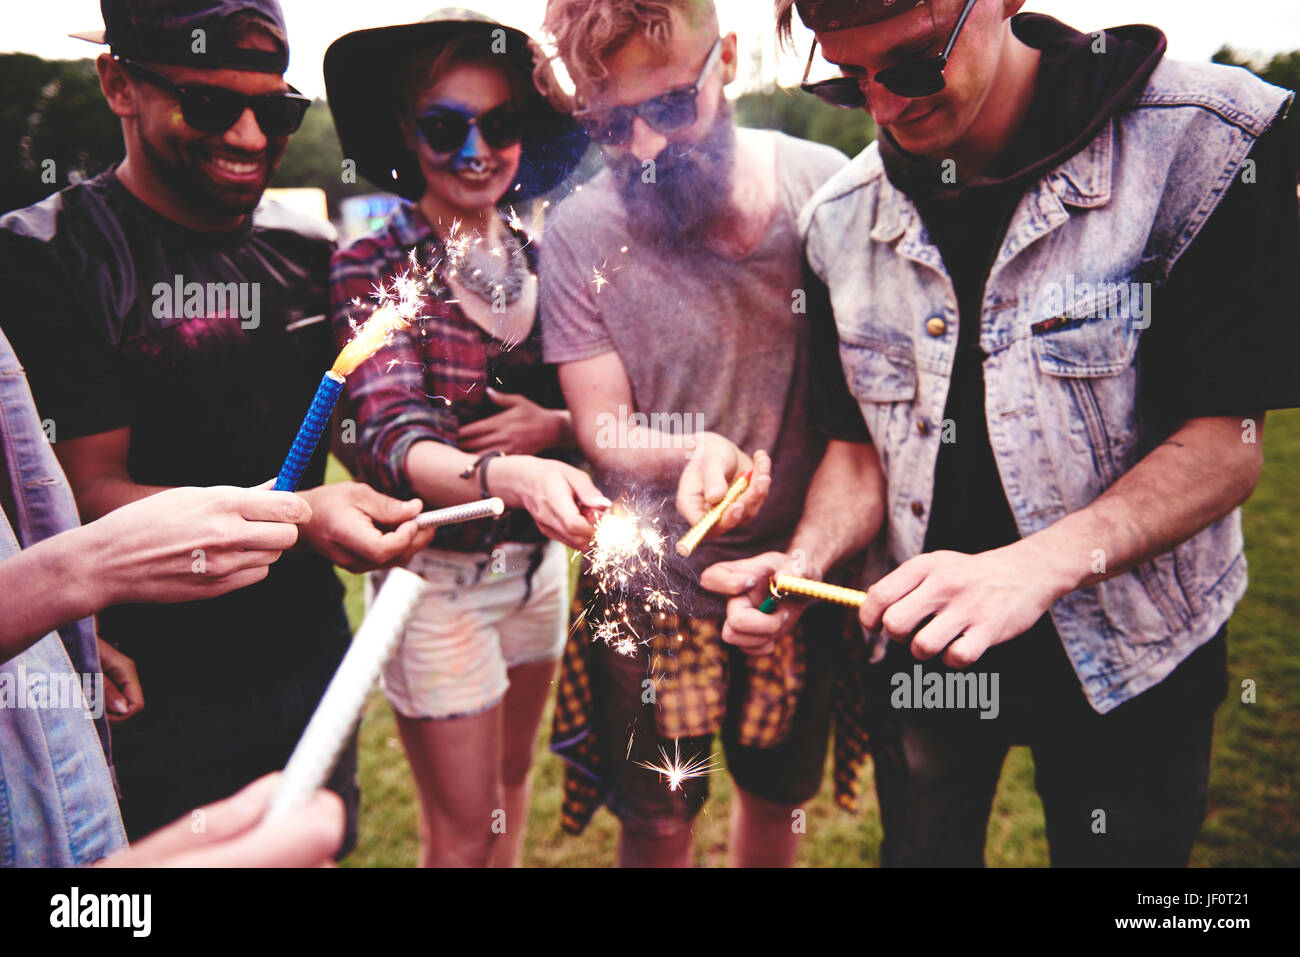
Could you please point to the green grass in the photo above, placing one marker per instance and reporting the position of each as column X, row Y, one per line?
column 1253, row 816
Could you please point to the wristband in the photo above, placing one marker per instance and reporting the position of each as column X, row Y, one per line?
column 480, row 465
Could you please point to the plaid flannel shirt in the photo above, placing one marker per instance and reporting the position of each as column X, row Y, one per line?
column 430, row 379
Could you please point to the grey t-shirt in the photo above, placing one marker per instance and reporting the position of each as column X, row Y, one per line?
column 714, row 343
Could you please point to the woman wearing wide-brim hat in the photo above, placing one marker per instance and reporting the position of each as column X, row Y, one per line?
column 445, row 112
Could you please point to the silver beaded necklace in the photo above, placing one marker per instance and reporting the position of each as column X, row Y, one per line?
column 474, row 271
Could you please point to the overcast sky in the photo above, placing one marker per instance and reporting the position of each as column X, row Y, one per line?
column 1196, row 28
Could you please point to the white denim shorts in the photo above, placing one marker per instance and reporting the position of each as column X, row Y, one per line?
column 473, row 625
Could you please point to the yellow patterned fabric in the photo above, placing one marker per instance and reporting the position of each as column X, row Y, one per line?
column 688, row 663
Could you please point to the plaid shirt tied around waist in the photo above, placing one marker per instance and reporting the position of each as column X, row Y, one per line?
column 688, row 662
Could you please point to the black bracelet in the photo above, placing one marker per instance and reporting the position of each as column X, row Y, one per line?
column 480, row 465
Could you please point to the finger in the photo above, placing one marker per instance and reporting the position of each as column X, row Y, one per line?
column 744, row 641
column 585, row 491
column 737, row 577
column 690, row 497
column 506, row 398
column 384, row 509
column 259, row 505
column 576, row 531
column 745, row 507
column 904, row 616
column 968, row 648
column 889, row 589
column 937, row 635
column 309, row 836
column 757, row 624
column 376, row 549
column 116, row 702
column 220, row 821
column 478, row 429
column 713, row 478
column 246, row 559
column 265, row 537
column 228, row 583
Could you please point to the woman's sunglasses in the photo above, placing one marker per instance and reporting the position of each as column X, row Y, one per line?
column 215, row 109
column 667, row 113
column 446, row 129
column 912, row 80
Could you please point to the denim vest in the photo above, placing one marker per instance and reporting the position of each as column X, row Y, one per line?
column 1062, row 368
column 58, row 804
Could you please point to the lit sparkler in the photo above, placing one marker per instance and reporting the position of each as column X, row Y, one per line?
column 676, row 770
column 398, row 304
column 625, row 545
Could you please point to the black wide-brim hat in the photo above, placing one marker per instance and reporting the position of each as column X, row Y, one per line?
column 362, row 73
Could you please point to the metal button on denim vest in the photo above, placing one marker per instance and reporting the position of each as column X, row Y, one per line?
column 58, row 806
column 1063, row 311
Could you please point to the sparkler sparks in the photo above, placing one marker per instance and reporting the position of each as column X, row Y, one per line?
column 624, row 543
column 676, row 770
column 626, row 560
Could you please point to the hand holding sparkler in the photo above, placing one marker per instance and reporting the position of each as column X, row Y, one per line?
column 714, row 466
column 557, row 496
column 340, row 707
column 754, row 621
column 361, row 529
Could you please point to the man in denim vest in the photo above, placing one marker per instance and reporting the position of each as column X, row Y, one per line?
column 1062, row 282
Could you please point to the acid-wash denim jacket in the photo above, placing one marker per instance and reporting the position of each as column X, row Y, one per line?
column 1062, row 368
column 58, row 803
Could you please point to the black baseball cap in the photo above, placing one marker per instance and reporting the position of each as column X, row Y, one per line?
column 162, row 31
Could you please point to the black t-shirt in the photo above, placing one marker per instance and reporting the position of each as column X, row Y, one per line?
column 208, row 347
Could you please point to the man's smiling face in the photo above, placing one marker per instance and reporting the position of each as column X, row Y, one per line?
column 928, row 125
column 218, row 174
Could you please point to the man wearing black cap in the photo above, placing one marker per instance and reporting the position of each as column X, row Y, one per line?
column 1063, row 284
column 172, row 328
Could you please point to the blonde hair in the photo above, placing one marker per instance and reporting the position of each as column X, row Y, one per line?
column 785, row 22
column 587, row 32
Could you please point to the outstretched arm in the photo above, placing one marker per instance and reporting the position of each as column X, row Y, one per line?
column 1200, row 474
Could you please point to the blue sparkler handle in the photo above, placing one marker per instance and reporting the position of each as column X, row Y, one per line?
column 309, row 433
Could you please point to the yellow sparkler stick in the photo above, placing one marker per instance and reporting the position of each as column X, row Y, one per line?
column 691, row 540
column 790, row 585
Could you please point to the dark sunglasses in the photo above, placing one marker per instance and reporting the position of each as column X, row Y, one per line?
column 667, row 113
column 912, row 80
column 446, row 130
column 215, row 109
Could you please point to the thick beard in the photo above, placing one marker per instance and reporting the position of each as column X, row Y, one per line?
column 690, row 191
column 183, row 175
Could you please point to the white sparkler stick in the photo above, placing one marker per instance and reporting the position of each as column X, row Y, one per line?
column 461, row 513
column 341, row 705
